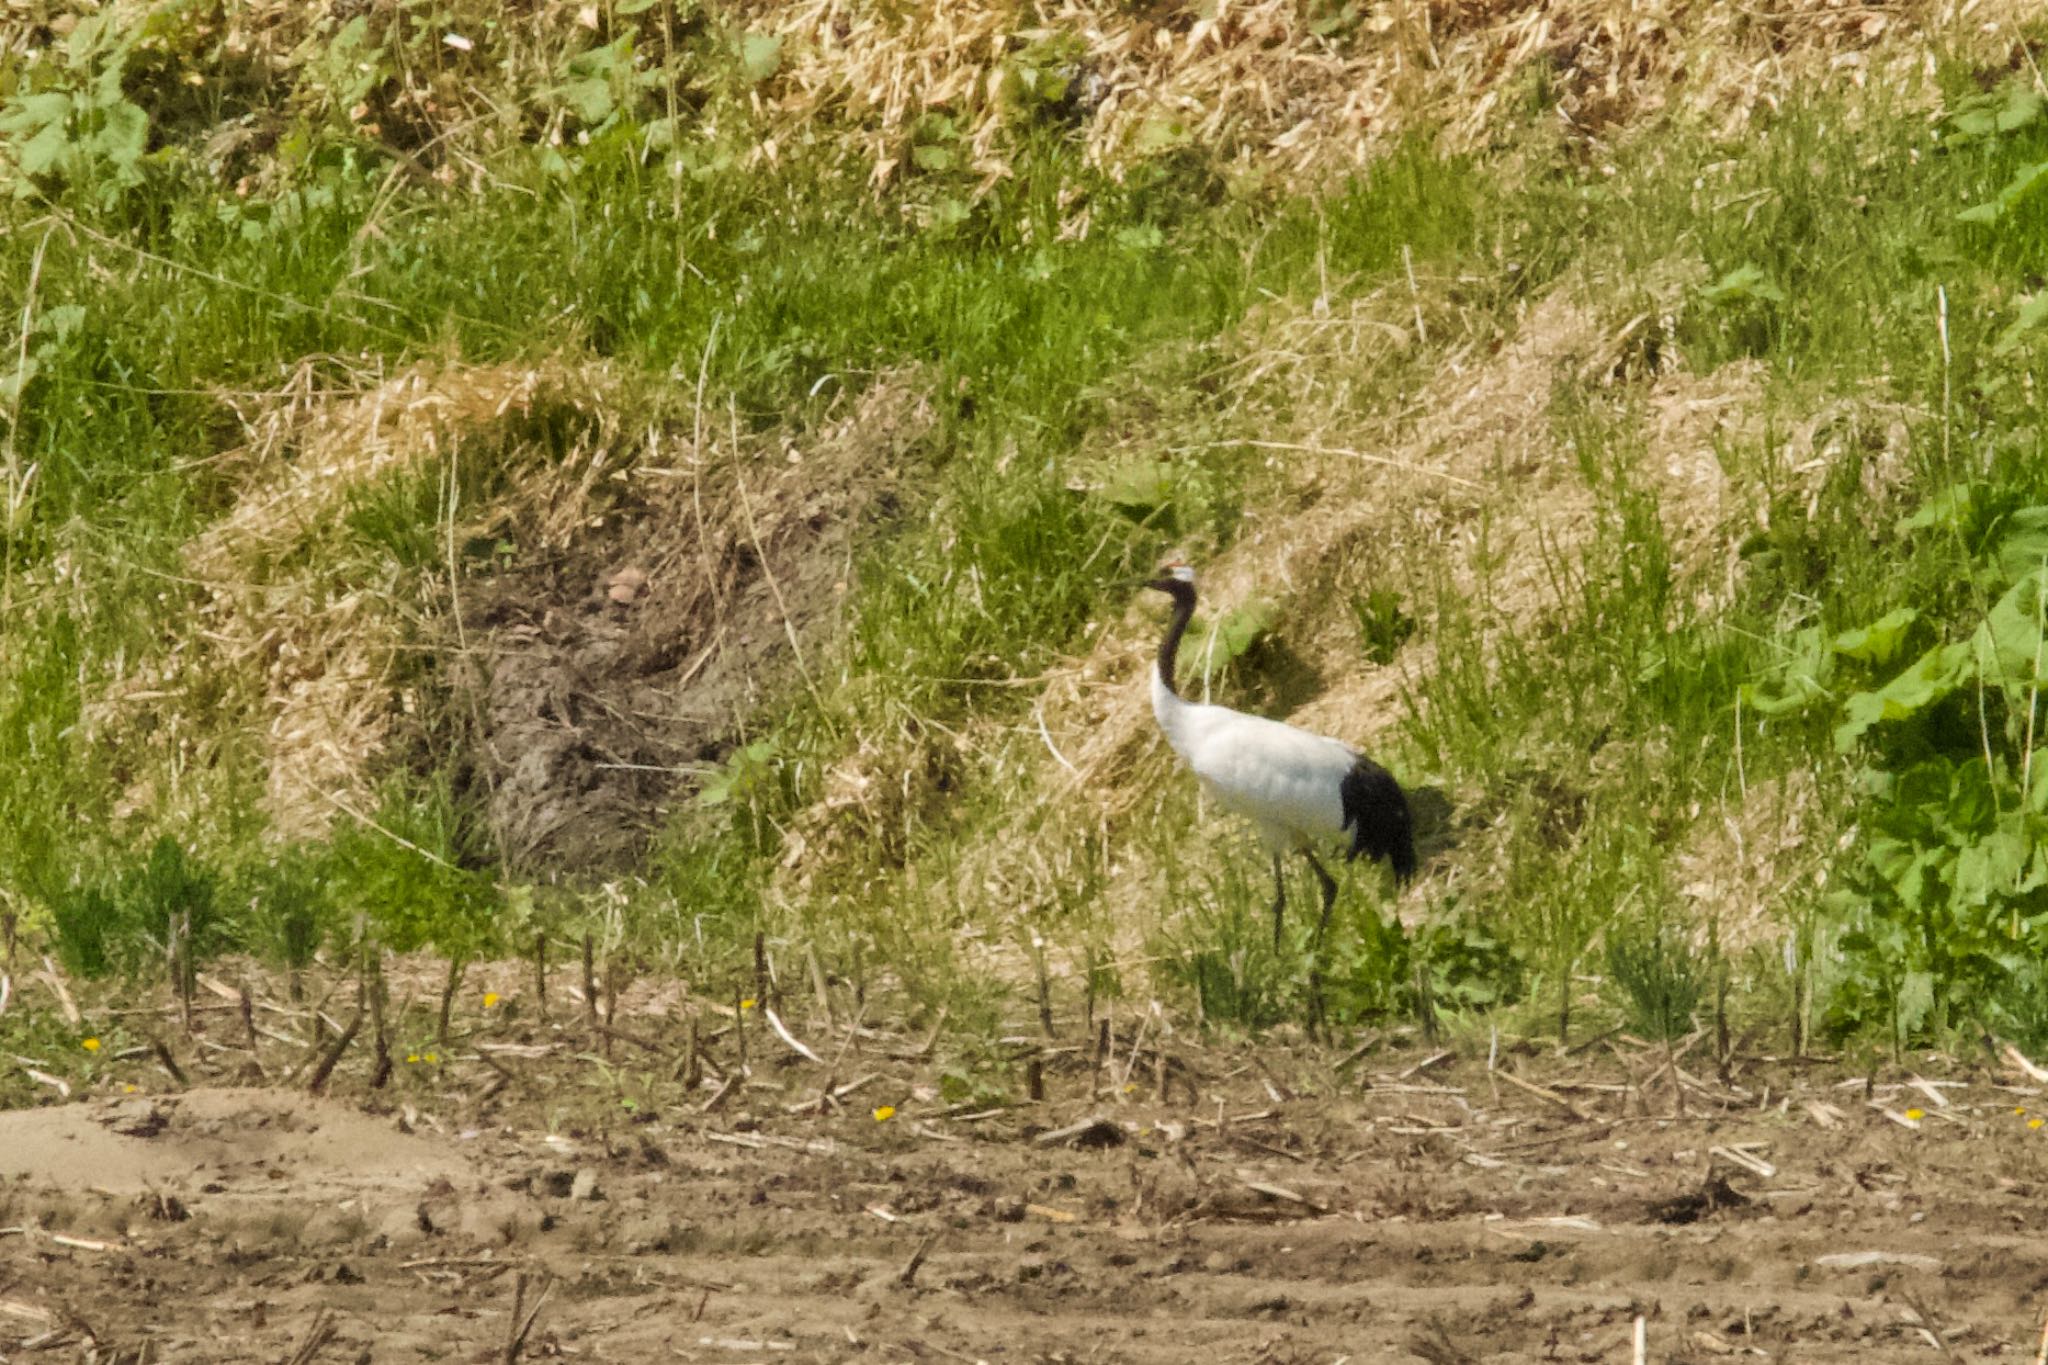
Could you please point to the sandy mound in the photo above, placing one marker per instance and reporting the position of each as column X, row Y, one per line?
column 233, row 1141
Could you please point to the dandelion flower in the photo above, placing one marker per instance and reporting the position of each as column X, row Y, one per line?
column 490, row 1000
column 91, row 1045
column 1916, row 1114
column 2036, row 1123
column 884, row 1112
column 748, row 1003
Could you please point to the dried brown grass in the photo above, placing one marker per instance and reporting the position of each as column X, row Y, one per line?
column 1289, row 91
column 292, row 638
column 1276, row 87
column 1744, row 859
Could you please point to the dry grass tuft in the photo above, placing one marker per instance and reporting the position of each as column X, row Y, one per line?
column 1292, row 92
column 290, row 629
column 1743, row 860
column 1307, row 91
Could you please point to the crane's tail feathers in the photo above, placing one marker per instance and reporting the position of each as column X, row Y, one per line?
column 1376, row 812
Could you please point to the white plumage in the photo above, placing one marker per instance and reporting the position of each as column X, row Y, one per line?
column 1296, row 788
column 1285, row 781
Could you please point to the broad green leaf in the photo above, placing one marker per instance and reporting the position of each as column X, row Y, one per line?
column 60, row 322
column 1915, row 1001
column 17, row 378
column 1795, row 684
column 2007, row 109
column 2008, row 647
column 1136, row 485
column 590, row 99
column 1140, row 237
column 1743, row 284
column 2025, row 545
column 47, row 151
column 1972, row 805
column 32, row 113
column 760, row 55
column 933, row 157
column 2021, row 186
column 1160, row 134
column 1890, row 858
column 591, row 90
column 1954, row 506
column 1787, row 695
column 1926, row 783
column 1927, row 680
column 1879, row 642
column 123, row 136
column 1228, row 636
column 1989, row 869
column 2032, row 313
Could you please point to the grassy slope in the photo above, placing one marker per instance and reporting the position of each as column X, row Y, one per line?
column 1570, row 687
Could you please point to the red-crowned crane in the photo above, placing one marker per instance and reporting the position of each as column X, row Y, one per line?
column 1298, row 789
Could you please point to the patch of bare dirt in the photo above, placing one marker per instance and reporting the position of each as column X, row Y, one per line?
column 1230, row 1204
column 630, row 656
column 222, row 1142
column 606, row 591
column 301, row 614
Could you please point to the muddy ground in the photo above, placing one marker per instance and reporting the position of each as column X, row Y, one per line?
column 1395, row 1202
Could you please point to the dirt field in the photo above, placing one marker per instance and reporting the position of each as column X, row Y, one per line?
column 1398, row 1204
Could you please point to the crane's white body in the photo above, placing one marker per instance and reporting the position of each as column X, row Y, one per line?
column 1284, row 780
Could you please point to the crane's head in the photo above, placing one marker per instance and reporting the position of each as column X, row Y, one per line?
column 1173, row 579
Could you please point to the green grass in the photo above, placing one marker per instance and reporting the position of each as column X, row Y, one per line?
column 1581, row 742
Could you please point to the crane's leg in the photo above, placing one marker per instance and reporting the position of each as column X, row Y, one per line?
column 1329, row 895
column 1315, row 962
column 1279, row 900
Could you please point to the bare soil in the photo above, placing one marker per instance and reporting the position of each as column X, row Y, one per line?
column 1278, row 1203
column 628, row 660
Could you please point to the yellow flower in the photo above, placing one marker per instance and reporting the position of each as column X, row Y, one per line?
column 2036, row 1123
column 1916, row 1114
column 412, row 1056
column 432, row 1057
column 91, row 1045
column 748, row 1003
column 127, row 1089
column 490, row 1000
column 885, row 1112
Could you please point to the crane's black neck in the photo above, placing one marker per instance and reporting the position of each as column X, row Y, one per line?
column 1183, row 595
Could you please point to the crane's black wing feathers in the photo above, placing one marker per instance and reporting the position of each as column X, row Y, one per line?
column 1376, row 813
